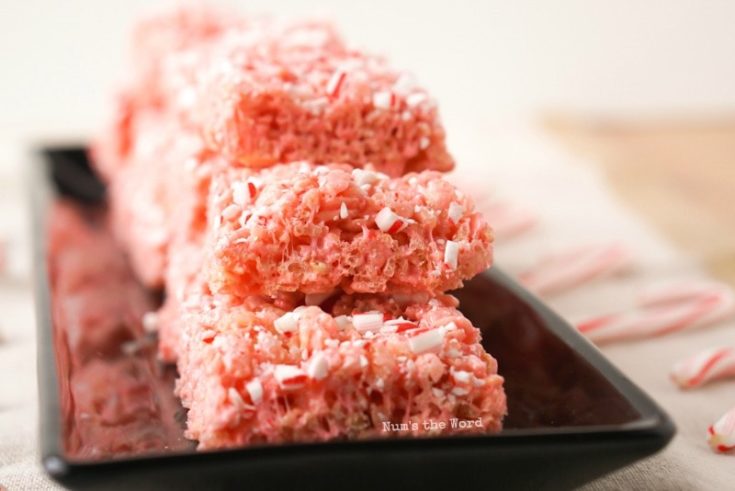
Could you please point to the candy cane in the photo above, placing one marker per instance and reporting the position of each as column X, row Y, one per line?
column 659, row 315
column 721, row 435
column 508, row 220
column 705, row 366
column 575, row 267
column 679, row 292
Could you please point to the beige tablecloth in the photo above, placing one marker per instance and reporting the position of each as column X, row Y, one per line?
column 573, row 206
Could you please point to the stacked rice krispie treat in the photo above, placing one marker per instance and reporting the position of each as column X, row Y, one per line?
column 286, row 191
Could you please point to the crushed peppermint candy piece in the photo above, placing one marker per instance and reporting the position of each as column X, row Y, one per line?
column 365, row 177
column 721, row 435
column 235, row 398
column 208, row 336
column 318, row 366
column 455, row 211
column 343, row 211
column 150, row 322
column 383, row 100
column 461, row 376
column 230, row 212
column 451, row 254
column 369, row 321
column 290, row 376
column 287, row 323
column 335, row 83
column 426, row 341
column 388, row 221
column 243, row 192
column 255, row 390
column 399, row 325
column 343, row 321
column 424, row 143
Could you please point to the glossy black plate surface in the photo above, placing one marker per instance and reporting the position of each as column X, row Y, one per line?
column 572, row 416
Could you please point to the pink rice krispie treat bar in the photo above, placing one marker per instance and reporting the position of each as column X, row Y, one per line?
column 254, row 373
column 301, row 227
column 159, row 193
column 264, row 105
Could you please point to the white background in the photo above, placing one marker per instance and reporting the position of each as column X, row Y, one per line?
column 486, row 61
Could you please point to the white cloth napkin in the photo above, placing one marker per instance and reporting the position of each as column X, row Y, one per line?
column 573, row 205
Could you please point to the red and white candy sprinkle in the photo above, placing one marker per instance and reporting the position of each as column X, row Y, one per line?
column 399, row 325
column 287, row 323
column 721, row 435
column 662, row 317
column 243, row 192
column 577, row 266
column 703, row 367
column 318, row 366
column 290, row 376
column 343, row 322
column 255, row 390
column 451, row 254
column 383, row 100
column 426, row 340
column 366, row 177
column 335, row 83
column 369, row 321
column 150, row 322
column 455, row 211
column 388, row 221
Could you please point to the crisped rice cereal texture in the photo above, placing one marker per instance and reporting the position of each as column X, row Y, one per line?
column 254, row 373
column 301, row 227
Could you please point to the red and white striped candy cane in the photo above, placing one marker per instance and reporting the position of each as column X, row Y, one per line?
column 681, row 291
column 508, row 220
column 705, row 366
column 575, row 267
column 721, row 435
column 662, row 316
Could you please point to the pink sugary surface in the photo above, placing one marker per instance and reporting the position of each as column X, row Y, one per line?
column 313, row 229
column 233, row 355
column 286, row 104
